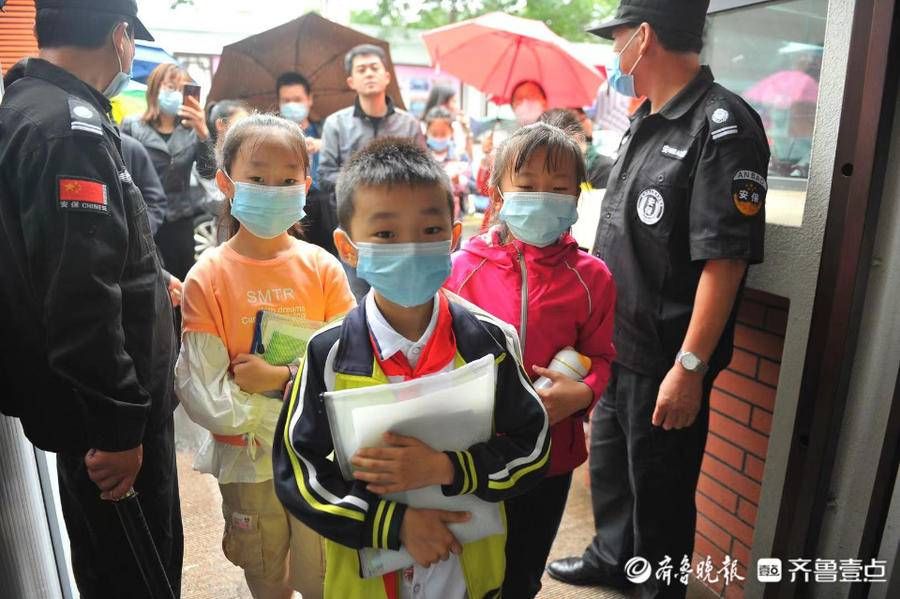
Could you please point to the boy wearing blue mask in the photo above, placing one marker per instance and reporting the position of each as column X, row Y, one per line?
column 295, row 101
column 397, row 229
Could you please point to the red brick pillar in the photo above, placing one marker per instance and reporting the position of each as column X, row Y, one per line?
column 740, row 420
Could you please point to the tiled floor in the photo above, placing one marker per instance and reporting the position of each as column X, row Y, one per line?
column 207, row 574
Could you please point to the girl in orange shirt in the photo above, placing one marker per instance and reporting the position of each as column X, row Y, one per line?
column 232, row 392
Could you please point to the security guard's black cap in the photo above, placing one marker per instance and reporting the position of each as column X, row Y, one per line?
column 125, row 8
column 683, row 16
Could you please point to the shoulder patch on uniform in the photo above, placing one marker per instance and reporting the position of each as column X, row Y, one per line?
column 78, row 193
column 722, row 121
column 84, row 117
column 748, row 190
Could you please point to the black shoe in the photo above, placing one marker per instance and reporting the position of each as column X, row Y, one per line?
column 573, row 570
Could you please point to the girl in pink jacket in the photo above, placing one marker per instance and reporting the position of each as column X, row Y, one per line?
column 528, row 271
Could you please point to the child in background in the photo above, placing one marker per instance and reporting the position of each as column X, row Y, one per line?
column 397, row 229
column 528, row 271
column 456, row 163
column 226, row 389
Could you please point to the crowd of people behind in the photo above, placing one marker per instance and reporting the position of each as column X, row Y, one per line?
column 181, row 145
column 345, row 239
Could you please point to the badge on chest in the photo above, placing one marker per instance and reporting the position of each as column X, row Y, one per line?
column 650, row 206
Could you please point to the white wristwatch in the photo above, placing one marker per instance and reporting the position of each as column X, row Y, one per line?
column 691, row 362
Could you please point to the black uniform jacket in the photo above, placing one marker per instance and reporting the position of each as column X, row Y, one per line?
column 87, row 330
column 689, row 185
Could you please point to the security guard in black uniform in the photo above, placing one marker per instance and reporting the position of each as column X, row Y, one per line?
column 88, row 345
column 682, row 218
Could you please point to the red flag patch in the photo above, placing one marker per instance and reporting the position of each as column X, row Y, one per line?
column 83, row 194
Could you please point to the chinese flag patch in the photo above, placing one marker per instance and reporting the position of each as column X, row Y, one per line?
column 83, row 194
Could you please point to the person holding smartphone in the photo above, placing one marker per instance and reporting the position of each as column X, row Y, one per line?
column 173, row 130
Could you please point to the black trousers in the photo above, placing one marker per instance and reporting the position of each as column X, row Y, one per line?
column 532, row 522
column 643, row 480
column 175, row 240
column 102, row 560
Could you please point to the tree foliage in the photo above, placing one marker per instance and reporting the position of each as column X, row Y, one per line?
column 568, row 18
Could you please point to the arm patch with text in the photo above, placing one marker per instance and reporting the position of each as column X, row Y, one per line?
column 748, row 190
column 87, row 195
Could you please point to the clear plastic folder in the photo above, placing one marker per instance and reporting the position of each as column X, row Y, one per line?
column 449, row 411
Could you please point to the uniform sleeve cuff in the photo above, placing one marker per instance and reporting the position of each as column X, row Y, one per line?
column 383, row 524
column 117, row 427
column 465, row 478
column 725, row 249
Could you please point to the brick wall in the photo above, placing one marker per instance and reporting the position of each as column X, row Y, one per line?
column 16, row 32
column 740, row 420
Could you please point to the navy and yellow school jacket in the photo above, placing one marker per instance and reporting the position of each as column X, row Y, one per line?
column 311, row 487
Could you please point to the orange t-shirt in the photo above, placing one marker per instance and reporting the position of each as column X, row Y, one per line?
column 224, row 291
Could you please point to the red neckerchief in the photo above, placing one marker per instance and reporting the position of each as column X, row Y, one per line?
column 439, row 351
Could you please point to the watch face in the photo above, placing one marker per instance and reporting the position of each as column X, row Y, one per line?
column 690, row 361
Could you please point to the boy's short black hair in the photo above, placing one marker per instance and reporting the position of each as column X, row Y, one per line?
column 363, row 50
column 292, row 78
column 388, row 161
column 56, row 27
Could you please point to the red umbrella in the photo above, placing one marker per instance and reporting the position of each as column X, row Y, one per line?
column 496, row 51
column 784, row 88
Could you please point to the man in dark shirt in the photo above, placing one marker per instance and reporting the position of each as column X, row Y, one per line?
column 682, row 218
column 91, row 336
column 372, row 115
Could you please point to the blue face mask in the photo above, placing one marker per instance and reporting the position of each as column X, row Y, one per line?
column 538, row 218
column 408, row 274
column 120, row 81
column 170, row 101
column 267, row 211
column 619, row 81
column 294, row 111
column 437, row 144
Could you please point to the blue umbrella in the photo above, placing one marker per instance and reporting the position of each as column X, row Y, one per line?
column 146, row 58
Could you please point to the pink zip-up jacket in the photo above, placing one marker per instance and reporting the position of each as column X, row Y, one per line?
column 570, row 300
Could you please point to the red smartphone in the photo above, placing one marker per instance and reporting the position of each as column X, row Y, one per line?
column 192, row 90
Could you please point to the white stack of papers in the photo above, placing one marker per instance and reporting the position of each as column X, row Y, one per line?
column 449, row 411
